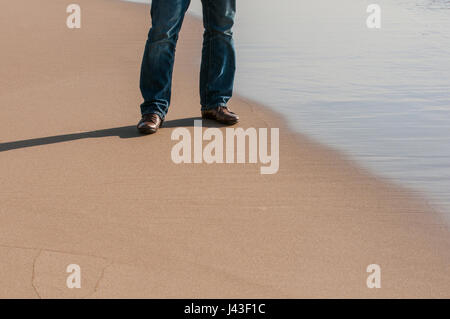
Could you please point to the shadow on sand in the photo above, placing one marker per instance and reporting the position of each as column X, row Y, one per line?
column 122, row 132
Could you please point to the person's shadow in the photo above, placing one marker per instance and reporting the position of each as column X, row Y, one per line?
column 122, row 132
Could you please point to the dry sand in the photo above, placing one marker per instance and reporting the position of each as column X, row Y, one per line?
column 79, row 186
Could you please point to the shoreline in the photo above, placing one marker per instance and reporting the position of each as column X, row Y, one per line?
column 141, row 226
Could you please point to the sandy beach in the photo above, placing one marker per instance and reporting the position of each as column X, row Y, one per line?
column 80, row 186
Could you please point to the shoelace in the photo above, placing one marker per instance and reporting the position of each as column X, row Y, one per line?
column 151, row 118
column 226, row 108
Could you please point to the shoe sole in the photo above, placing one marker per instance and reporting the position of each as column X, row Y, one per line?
column 146, row 131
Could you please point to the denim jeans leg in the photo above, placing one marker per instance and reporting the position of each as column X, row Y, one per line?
column 159, row 55
column 218, row 55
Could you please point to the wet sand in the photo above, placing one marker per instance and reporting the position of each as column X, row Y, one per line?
column 80, row 186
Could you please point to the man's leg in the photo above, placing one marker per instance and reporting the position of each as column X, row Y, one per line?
column 159, row 55
column 218, row 59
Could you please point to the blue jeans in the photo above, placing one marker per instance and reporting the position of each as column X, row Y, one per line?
column 218, row 54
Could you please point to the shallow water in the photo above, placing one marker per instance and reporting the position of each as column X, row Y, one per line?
column 380, row 95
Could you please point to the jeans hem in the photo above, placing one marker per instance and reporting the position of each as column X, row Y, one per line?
column 213, row 106
column 161, row 116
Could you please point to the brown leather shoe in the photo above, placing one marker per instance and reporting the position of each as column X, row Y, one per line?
column 221, row 114
column 149, row 124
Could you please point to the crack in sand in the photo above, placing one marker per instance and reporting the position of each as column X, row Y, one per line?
column 33, row 274
column 39, row 252
column 97, row 284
